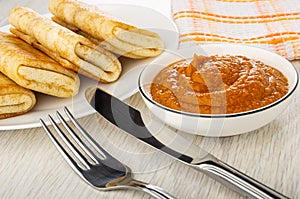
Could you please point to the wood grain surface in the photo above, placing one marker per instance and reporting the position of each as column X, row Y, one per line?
column 31, row 167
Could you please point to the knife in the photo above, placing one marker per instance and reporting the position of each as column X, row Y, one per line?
column 130, row 120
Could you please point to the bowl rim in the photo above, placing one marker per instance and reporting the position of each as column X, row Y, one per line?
column 230, row 115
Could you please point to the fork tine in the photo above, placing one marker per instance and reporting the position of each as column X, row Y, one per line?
column 108, row 159
column 70, row 145
column 94, row 144
column 60, row 148
column 77, row 139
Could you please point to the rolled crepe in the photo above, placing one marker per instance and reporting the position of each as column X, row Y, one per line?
column 32, row 69
column 71, row 50
column 105, row 30
column 14, row 99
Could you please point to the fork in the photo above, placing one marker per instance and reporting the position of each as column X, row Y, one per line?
column 100, row 170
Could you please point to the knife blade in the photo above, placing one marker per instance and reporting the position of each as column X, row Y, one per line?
column 130, row 121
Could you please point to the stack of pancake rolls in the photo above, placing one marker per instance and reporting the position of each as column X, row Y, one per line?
column 46, row 55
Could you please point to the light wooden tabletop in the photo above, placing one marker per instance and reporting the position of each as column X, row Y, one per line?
column 31, row 167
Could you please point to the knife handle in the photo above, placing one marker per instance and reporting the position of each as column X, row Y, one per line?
column 236, row 180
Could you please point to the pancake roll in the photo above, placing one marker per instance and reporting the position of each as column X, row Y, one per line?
column 14, row 99
column 108, row 31
column 71, row 50
column 34, row 70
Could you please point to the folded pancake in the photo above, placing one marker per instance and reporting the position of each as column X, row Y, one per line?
column 71, row 50
column 14, row 99
column 105, row 30
column 32, row 69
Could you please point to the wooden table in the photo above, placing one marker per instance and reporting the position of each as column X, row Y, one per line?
column 31, row 167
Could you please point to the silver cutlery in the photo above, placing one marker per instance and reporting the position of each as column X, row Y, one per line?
column 129, row 120
column 91, row 162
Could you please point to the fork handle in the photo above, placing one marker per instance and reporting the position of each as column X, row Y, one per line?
column 153, row 190
column 236, row 180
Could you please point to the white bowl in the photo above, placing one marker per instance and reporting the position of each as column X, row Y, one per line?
column 217, row 125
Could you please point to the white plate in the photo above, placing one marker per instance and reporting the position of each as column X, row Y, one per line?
column 123, row 88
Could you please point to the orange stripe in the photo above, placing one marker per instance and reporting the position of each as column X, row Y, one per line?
column 191, row 5
column 207, row 8
column 273, row 38
column 236, row 19
column 260, row 10
column 282, row 46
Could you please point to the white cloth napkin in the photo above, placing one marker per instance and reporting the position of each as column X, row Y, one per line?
column 270, row 24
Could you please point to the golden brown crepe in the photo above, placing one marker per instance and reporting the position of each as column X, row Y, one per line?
column 105, row 30
column 34, row 70
column 14, row 99
column 71, row 50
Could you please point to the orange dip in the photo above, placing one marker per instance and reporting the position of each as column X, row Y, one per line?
column 218, row 84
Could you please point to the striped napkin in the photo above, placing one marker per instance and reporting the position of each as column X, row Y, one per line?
column 270, row 24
